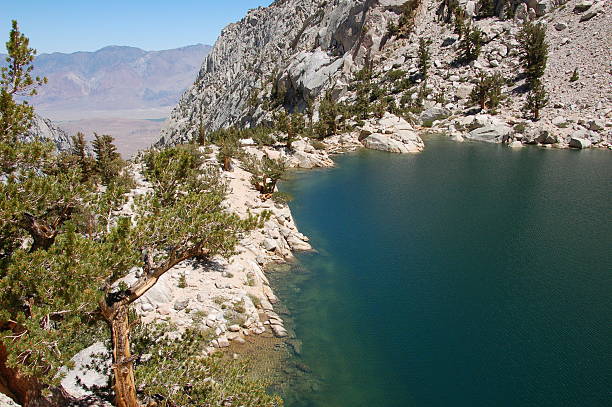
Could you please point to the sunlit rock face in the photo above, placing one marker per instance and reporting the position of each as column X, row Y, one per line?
column 286, row 54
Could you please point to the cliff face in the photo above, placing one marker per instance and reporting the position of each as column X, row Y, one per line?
column 287, row 52
column 44, row 130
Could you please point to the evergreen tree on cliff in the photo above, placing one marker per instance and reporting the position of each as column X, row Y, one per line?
column 65, row 250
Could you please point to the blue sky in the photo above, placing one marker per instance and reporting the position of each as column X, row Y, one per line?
column 88, row 25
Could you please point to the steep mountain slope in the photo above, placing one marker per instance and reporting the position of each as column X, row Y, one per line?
column 114, row 78
column 290, row 52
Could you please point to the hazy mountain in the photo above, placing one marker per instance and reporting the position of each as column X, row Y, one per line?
column 115, row 78
column 115, row 90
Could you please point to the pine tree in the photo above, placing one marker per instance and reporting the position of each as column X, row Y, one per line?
column 108, row 161
column 64, row 251
column 533, row 50
column 459, row 26
column 201, row 136
column 470, row 43
column 83, row 158
column 16, row 117
column 488, row 91
column 537, row 99
column 329, row 110
column 424, row 56
column 266, row 172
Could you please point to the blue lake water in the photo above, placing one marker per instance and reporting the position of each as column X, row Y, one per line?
column 468, row 275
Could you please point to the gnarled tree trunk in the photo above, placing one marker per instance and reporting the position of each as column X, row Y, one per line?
column 123, row 366
column 28, row 391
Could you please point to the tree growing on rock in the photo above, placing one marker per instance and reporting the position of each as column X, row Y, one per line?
column 533, row 50
column 487, row 92
column 65, row 251
column 424, row 56
column 537, row 99
column 266, row 172
column 330, row 116
column 470, row 44
column 228, row 150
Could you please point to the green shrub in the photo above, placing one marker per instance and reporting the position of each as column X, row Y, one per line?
column 281, row 198
column 575, row 76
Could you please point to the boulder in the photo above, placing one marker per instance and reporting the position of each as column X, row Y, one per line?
column 579, row 143
column 592, row 12
column 491, row 133
column 457, row 137
column 6, row 401
column 223, row 342
column 404, row 141
column 596, row 125
column 181, row 304
column 546, row 137
column 582, row 6
column 269, row 244
column 82, row 372
column 516, row 144
column 559, row 121
column 432, row 114
column 540, row 7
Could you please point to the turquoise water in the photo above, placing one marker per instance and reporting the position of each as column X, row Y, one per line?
column 468, row 275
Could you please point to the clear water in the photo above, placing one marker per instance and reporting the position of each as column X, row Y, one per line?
column 468, row 275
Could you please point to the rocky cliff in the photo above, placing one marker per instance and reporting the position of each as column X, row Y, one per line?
column 287, row 54
column 44, row 130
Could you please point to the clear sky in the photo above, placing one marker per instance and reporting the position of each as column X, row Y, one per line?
column 88, row 25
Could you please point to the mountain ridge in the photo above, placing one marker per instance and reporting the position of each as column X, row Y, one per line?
column 114, row 78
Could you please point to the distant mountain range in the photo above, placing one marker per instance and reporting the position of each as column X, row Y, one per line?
column 115, row 79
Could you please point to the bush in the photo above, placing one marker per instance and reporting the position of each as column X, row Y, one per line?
column 575, row 76
column 281, row 198
column 178, row 373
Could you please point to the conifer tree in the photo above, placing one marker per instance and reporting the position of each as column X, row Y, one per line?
column 533, row 50
column 537, row 99
column 424, row 56
column 64, row 250
column 84, row 160
column 488, row 91
column 108, row 160
column 329, row 110
column 471, row 43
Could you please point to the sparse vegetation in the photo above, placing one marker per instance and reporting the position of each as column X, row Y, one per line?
column 575, row 76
